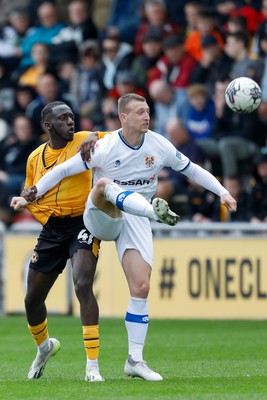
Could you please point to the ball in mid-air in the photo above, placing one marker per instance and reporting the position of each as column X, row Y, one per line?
column 243, row 95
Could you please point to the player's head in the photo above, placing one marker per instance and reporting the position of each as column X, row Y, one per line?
column 124, row 101
column 58, row 121
column 134, row 112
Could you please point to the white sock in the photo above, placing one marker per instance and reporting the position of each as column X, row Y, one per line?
column 136, row 322
column 44, row 347
column 129, row 201
column 92, row 363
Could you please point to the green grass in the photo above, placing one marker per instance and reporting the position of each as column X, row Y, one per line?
column 217, row 360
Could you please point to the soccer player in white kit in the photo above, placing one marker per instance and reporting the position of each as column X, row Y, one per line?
column 126, row 166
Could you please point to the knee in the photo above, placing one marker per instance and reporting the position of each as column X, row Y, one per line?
column 83, row 287
column 141, row 289
column 101, row 184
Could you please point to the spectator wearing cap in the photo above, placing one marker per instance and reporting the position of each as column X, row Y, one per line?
column 116, row 56
column 258, row 196
column 157, row 20
column 206, row 25
column 215, row 64
column 143, row 64
column 175, row 66
column 126, row 82
column 86, row 84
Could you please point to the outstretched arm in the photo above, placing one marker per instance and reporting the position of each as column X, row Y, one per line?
column 209, row 182
column 73, row 166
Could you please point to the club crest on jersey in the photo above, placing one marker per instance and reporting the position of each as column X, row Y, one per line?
column 149, row 161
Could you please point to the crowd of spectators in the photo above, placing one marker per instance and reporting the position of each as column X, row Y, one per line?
column 180, row 55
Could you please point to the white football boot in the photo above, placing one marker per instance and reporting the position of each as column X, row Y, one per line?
column 38, row 365
column 163, row 212
column 140, row 369
column 93, row 375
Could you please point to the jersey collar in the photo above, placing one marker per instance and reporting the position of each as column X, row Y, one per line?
column 128, row 145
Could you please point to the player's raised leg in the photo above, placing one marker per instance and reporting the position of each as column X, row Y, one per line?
column 131, row 202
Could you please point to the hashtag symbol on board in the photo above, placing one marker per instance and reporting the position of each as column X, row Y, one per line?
column 167, row 273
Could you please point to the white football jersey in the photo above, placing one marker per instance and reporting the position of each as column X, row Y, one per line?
column 135, row 168
column 132, row 168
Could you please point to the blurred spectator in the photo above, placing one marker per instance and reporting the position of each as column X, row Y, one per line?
column 235, row 24
column 81, row 27
column 235, row 187
column 157, row 21
column 64, row 71
column 49, row 27
column 237, row 135
column 124, row 19
column 261, row 32
column 7, row 91
column 125, row 83
column 206, row 25
column 117, row 56
column 258, row 195
column 251, row 14
column 201, row 114
column 215, row 64
column 191, row 11
column 175, row 66
column 172, row 182
column 111, row 121
column 237, row 47
column 168, row 103
column 143, row 64
column 262, row 110
column 23, row 96
column 30, row 75
column 12, row 36
column 14, row 151
column 47, row 92
column 86, row 82
column 204, row 206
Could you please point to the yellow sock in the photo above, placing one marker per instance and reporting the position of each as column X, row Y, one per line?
column 39, row 332
column 91, row 341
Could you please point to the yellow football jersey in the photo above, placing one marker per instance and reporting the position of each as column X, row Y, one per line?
column 68, row 198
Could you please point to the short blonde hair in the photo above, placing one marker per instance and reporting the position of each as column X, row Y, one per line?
column 126, row 99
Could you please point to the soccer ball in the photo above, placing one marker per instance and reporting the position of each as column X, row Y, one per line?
column 243, row 95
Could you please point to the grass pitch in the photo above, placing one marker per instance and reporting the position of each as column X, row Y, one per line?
column 216, row 360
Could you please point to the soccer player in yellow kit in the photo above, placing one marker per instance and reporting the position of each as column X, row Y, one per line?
column 63, row 237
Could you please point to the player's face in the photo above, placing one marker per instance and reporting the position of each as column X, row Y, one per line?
column 62, row 124
column 137, row 118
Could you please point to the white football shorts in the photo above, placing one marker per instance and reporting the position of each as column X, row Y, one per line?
column 129, row 231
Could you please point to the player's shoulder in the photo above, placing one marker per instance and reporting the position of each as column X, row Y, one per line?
column 156, row 137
